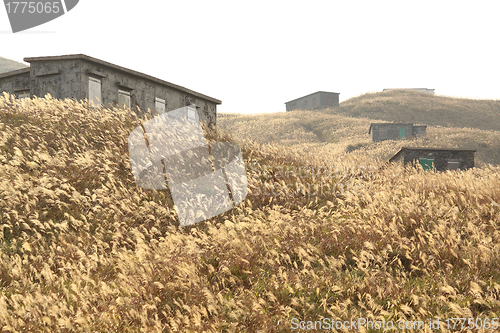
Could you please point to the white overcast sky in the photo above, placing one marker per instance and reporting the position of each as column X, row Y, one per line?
column 257, row 55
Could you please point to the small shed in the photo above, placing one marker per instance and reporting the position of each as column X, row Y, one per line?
column 426, row 90
column 395, row 131
column 438, row 158
column 319, row 99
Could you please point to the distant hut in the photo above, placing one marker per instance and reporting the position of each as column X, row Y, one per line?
column 319, row 99
column 395, row 131
column 426, row 90
column 438, row 158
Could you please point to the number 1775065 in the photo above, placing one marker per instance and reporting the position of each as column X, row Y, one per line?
column 32, row 7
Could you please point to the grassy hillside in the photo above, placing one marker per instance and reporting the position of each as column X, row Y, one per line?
column 7, row 65
column 423, row 108
column 83, row 249
column 332, row 133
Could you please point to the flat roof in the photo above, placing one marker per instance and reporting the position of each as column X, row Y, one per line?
column 371, row 125
column 16, row 72
column 123, row 69
column 429, row 148
column 313, row 94
column 432, row 148
column 409, row 89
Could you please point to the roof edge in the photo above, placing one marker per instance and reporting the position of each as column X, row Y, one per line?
column 416, row 89
column 123, row 69
column 435, row 148
column 321, row 91
column 15, row 72
column 427, row 148
column 413, row 125
column 395, row 155
column 394, row 124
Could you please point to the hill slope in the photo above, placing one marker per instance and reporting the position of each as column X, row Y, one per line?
column 422, row 108
column 7, row 65
column 83, row 249
column 334, row 132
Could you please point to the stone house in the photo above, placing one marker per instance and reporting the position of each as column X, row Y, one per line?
column 439, row 158
column 394, row 131
column 82, row 77
column 319, row 99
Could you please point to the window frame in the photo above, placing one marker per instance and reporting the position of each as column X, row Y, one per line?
column 161, row 102
column 458, row 165
column 93, row 98
column 127, row 94
column 22, row 94
column 191, row 114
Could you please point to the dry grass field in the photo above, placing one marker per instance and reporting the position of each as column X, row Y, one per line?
column 417, row 107
column 83, row 249
column 330, row 133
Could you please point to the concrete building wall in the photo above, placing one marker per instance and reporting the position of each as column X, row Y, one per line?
column 441, row 157
column 419, row 130
column 69, row 76
column 15, row 82
column 315, row 100
column 142, row 92
column 389, row 131
column 325, row 99
column 305, row 102
column 62, row 79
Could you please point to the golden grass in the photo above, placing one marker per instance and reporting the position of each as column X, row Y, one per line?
column 409, row 106
column 332, row 136
column 85, row 250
